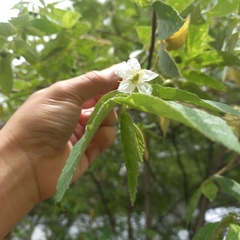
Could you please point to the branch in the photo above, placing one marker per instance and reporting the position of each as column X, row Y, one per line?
column 151, row 49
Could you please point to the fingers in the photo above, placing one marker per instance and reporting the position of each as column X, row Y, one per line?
column 103, row 139
column 111, row 118
column 85, row 87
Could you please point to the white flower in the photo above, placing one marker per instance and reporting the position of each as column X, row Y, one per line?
column 133, row 76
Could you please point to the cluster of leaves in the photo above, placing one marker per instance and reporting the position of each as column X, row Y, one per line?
column 195, row 52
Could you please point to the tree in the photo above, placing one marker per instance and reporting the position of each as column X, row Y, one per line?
column 190, row 123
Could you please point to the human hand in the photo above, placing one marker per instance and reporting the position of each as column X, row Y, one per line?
column 42, row 132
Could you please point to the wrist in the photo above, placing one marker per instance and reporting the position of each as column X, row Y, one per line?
column 19, row 193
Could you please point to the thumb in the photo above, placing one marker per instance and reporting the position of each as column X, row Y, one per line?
column 87, row 86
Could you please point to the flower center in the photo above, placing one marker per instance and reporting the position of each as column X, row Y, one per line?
column 135, row 78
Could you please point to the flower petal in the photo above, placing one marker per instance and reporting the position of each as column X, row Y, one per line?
column 126, row 86
column 134, row 65
column 147, row 75
column 145, row 88
column 123, row 70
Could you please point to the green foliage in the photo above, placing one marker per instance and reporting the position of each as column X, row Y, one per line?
column 101, row 110
column 229, row 186
column 42, row 47
column 209, row 189
column 169, row 20
column 206, row 231
column 6, row 74
column 133, row 147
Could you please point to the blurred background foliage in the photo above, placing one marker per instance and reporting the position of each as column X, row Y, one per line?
column 45, row 44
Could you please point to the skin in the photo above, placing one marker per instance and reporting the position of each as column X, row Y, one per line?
column 36, row 141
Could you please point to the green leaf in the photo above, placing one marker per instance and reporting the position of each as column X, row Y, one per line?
column 3, row 41
column 218, row 232
column 217, row 58
column 21, row 21
column 169, row 21
column 102, row 108
column 179, row 5
column 230, row 186
column 70, row 19
column 34, row 31
column 79, row 29
column 202, row 79
column 139, row 139
column 211, row 126
column 144, row 34
column 209, row 189
column 6, row 74
column 205, row 232
column 56, row 14
column 167, row 64
column 142, row 3
column 131, row 152
column 184, row 96
column 55, row 46
column 44, row 25
column 223, row 7
column 6, row 29
column 192, row 205
column 233, row 232
column 197, row 40
column 21, row 84
column 26, row 51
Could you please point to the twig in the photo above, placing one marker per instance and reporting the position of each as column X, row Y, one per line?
column 151, row 49
column 225, row 168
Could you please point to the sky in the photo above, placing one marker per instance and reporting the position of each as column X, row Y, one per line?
column 5, row 10
column 5, row 7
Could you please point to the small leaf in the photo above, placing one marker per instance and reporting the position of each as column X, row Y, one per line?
column 26, row 51
column 44, row 25
column 144, row 34
column 3, row 41
column 233, row 232
column 131, row 152
column 192, row 205
column 56, row 45
column 217, row 58
column 223, row 7
column 177, row 40
column 218, row 232
column 167, row 64
column 209, row 189
column 205, row 232
column 230, row 186
column 202, row 79
column 197, row 40
column 179, row 5
column 169, row 21
column 70, row 19
column 6, row 29
column 164, row 124
column 34, row 31
column 232, row 74
column 1, row 111
column 6, row 74
column 79, row 29
column 143, row 3
column 21, row 21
